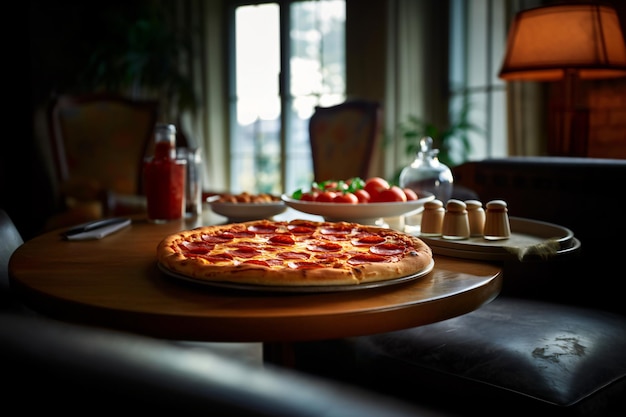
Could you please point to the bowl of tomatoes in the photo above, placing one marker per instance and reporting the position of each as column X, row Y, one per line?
column 356, row 200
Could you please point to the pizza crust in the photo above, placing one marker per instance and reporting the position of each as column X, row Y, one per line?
column 176, row 257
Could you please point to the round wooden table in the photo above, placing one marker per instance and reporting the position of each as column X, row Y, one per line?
column 115, row 282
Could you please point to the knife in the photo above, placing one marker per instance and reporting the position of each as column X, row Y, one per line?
column 97, row 224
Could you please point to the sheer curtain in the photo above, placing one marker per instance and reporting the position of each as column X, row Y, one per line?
column 526, row 104
column 416, row 82
column 206, row 128
column 418, row 79
column 526, row 116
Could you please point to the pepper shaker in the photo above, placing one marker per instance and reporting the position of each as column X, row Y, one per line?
column 455, row 221
column 432, row 218
column 497, row 225
column 476, row 215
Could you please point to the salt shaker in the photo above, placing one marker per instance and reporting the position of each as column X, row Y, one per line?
column 476, row 215
column 432, row 218
column 497, row 225
column 455, row 221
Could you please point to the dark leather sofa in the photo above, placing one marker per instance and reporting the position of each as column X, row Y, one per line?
column 553, row 342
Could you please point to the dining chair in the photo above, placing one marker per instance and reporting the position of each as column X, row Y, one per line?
column 343, row 139
column 98, row 142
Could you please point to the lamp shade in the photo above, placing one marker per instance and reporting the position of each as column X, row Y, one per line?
column 546, row 42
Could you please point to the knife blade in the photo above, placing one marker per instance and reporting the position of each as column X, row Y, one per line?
column 97, row 224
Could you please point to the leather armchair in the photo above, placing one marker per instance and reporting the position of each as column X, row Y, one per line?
column 552, row 342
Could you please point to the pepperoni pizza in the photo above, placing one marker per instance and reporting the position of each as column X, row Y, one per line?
column 294, row 253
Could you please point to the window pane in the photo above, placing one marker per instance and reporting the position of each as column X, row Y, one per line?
column 255, row 145
column 255, row 161
column 299, row 164
column 317, row 37
column 478, row 36
column 315, row 76
column 257, row 51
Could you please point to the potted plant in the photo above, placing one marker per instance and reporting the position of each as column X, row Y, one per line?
column 140, row 56
column 452, row 141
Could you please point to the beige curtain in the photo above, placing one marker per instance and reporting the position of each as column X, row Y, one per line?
column 207, row 127
column 405, row 76
column 526, row 117
column 416, row 71
column 526, row 104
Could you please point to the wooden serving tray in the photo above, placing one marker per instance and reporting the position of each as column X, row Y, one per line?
column 529, row 240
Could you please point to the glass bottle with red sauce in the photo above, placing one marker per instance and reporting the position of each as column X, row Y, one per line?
column 164, row 178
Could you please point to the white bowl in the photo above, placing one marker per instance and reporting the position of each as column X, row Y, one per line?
column 239, row 212
column 365, row 213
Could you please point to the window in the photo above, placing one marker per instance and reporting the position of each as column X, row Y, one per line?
column 477, row 40
column 288, row 57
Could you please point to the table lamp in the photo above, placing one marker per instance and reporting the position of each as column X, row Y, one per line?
column 566, row 43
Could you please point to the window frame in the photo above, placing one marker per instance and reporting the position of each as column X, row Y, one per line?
column 285, row 97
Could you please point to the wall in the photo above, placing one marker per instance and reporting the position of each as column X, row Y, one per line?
column 599, row 129
column 606, row 102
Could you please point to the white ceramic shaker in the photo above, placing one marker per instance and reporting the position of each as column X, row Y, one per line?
column 497, row 225
column 476, row 215
column 432, row 218
column 455, row 221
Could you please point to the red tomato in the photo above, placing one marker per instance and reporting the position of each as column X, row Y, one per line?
column 410, row 194
column 374, row 186
column 362, row 195
column 331, row 185
column 347, row 198
column 392, row 194
column 310, row 196
column 325, row 197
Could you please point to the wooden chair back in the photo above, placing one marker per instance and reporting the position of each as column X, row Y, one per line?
column 101, row 139
column 343, row 138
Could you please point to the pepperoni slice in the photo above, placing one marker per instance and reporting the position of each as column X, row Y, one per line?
column 365, row 258
column 262, row 228
column 388, row 249
column 220, row 257
column 282, row 239
column 367, row 240
column 243, row 234
column 300, row 230
column 221, row 238
column 245, row 252
column 304, row 265
column 293, row 255
column 196, row 247
column 324, row 247
column 336, row 230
